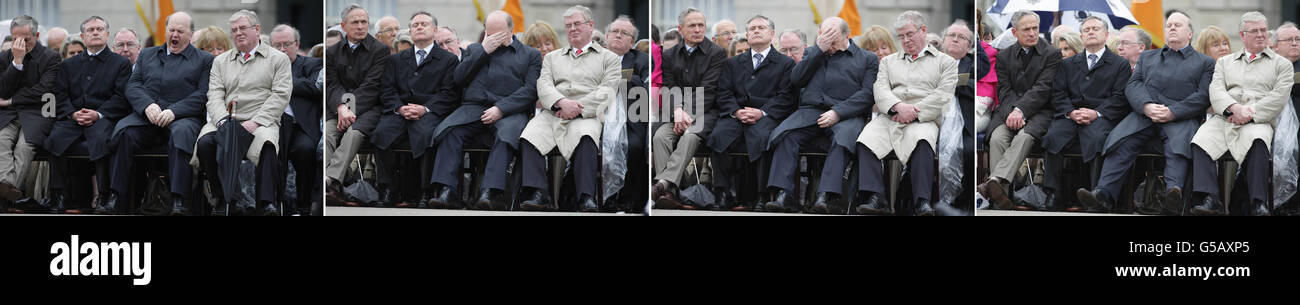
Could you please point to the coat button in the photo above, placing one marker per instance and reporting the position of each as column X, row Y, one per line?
column 751, row 77
column 87, row 77
column 417, row 73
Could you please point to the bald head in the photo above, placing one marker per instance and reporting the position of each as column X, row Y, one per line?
column 179, row 27
column 388, row 28
column 837, row 29
column 1178, row 30
column 496, row 22
column 55, row 36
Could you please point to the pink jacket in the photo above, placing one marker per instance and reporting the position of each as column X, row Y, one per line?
column 988, row 85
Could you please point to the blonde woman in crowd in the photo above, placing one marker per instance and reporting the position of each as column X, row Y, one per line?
column 878, row 40
column 541, row 36
column 1212, row 42
column 213, row 40
column 1070, row 43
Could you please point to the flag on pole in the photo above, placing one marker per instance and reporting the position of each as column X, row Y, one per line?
column 1150, row 16
column 850, row 15
column 516, row 12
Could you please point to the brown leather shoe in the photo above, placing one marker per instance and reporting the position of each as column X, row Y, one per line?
column 993, row 191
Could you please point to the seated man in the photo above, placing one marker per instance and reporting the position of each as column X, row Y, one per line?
column 355, row 68
column 1088, row 97
column 911, row 104
column 86, row 115
column 1168, row 93
column 837, row 79
column 258, row 79
column 754, row 95
column 576, row 84
column 691, row 66
column 167, row 92
column 27, row 72
column 499, row 94
column 300, row 127
column 619, row 37
column 416, row 93
column 1248, row 92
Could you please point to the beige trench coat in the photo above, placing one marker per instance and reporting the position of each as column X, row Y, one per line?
column 928, row 83
column 261, row 86
column 1264, row 84
column 591, row 79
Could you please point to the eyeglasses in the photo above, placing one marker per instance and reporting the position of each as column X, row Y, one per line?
column 1291, row 40
column 448, row 42
column 908, row 35
column 284, row 44
column 240, row 29
column 789, row 50
column 125, row 45
column 726, row 33
column 1258, row 31
column 957, row 36
column 573, row 25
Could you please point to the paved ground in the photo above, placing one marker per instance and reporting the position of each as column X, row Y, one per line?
column 720, row 213
column 351, row 211
column 1032, row 213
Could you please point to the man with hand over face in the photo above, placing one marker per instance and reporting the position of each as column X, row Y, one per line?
column 28, row 71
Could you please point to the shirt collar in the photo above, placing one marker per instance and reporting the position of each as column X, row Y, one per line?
column 1099, row 53
column 93, row 54
column 764, row 52
column 427, row 50
column 1245, row 55
column 586, row 47
column 252, row 51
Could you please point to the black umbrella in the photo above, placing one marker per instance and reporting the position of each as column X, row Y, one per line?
column 232, row 144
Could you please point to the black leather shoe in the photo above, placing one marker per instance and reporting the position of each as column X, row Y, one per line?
column 443, row 198
column 388, row 196
column 108, row 206
column 265, row 208
column 179, row 208
column 1210, row 206
column 1173, row 201
column 586, row 204
column 922, row 208
column 1094, row 202
column 723, row 199
column 782, row 202
column 1260, row 209
column 666, row 195
column 874, row 205
column 29, row 205
column 334, row 194
column 491, row 199
column 55, row 203
column 829, row 203
column 536, row 200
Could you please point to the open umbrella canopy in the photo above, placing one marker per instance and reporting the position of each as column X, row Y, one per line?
column 1074, row 11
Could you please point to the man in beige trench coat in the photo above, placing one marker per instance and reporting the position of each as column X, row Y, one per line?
column 1249, row 90
column 577, row 83
column 913, row 88
column 258, row 78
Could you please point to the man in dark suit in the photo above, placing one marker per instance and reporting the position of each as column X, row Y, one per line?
column 300, row 125
column 837, row 79
column 355, row 69
column 693, row 64
column 1025, row 73
column 90, row 97
column 168, row 93
column 28, row 71
column 1169, row 94
column 1088, row 100
column 416, row 93
column 619, row 38
column 754, row 95
column 957, row 42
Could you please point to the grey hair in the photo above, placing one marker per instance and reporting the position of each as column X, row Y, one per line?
column 635, row 32
column 286, row 27
column 83, row 23
column 453, row 31
column 119, row 31
column 578, row 9
column 246, row 14
column 681, row 18
column 1104, row 25
column 844, row 28
column 349, row 9
column 910, row 17
column 770, row 25
column 1143, row 37
column 803, row 38
column 26, row 21
column 1272, row 37
column 435, row 19
column 714, row 29
column 1015, row 19
column 1253, row 16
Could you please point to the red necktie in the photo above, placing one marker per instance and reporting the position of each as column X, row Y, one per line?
column 246, row 55
column 579, row 52
column 913, row 57
column 1252, row 57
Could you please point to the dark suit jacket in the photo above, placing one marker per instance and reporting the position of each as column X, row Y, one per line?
column 1178, row 79
column 178, row 82
column 1100, row 89
column 430, row 84
column 507, row 79
column 25, row 89
column 97, row 83
column 766, row 87
column 1295, row 91
column 306, row 99
column 358, row 72
column 844, row 82
column 966, row 94
column 637, row 132
column 1026, row 86
column 701, row 69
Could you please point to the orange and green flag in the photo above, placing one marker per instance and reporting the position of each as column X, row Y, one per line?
column 516, row 12
column 850, row 15
column 1150, row 15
